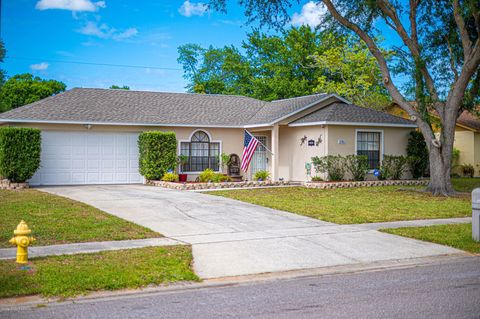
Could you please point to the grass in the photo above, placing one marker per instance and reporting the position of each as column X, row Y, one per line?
column 458, row 236
column 58, row 220
column 355, row 205
column 463, row 184
column 73, row 275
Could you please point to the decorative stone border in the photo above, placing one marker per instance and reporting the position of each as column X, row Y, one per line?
column 199, row 186
column 350, row 184
column 6, row 184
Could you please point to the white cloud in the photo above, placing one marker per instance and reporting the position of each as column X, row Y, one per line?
column 103, row 31
column 312, row 14
column 130, row 32
column 39, row 66
column 189, row 9
column 71, row 5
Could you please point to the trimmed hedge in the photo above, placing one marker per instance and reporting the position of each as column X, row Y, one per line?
column 158, row 153
column 20, row 150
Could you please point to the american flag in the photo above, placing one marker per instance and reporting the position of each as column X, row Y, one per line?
column 249, row 145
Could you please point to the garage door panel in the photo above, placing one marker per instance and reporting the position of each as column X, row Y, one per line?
column 56, row 177
column 88, row 158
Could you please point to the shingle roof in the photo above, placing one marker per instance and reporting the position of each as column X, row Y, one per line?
column 120, row 106
column 349, row 113
column 157, row 108
column 470, row 120
column 279, row 108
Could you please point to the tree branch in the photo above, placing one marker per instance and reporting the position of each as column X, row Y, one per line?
column 452, row 59
column 413, row 20
column 471, row 65
column 387, row 81
column 390, row 11
column 466, row 44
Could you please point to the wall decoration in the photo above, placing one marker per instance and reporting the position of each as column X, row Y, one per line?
column 303, row 140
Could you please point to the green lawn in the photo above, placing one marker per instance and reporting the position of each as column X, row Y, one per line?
column 464, row 184
column 79, row 274
column 457, row 236
column 355, row 205
column 58, row 220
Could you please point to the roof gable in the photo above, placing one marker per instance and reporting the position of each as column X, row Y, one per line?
column 338, row 113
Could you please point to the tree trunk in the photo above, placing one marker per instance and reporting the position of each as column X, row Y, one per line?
column 440, row 182
column 440, row 154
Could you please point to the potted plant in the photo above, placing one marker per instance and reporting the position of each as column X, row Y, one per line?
column 182, row 160
column 224, row 160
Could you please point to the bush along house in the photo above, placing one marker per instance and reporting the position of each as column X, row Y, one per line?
column 90, row 136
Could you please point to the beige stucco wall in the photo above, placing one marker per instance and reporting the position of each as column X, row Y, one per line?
column 293, row 156
column 231, row 139
column 468, row 143
column 394, row 139
column 465, row 143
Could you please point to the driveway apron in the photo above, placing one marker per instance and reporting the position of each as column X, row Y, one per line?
column 232, row 238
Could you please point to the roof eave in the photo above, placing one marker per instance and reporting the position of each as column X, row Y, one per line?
column 114, row 123
column 352, row 124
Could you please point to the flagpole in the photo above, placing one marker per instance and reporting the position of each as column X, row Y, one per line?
column 260, row 142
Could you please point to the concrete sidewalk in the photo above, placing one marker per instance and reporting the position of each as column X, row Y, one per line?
column 232, row 238
column 415, row 223
column 90, row 247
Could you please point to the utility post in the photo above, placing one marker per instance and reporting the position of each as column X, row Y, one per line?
column 476, row 214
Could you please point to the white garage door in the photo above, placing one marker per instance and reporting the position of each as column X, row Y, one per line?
column 75, row 158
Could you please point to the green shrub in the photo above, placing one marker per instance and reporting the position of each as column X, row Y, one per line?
column 158, row 153
column 417, row 153
column 357, row 165
column 333, row 165
column 392, row 167
column 209, row 175
column 467, row 170
column 170, row 177
column 20, row 150
column 261, row 175
column 317, row 179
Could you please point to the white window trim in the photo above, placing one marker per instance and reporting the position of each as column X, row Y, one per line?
column 382, row 145
column 179, row 149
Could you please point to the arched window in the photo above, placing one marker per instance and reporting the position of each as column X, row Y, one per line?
column 201, row 153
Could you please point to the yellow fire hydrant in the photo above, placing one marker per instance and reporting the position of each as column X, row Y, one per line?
column 22, row 241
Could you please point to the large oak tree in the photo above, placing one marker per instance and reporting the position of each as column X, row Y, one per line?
column 440, row 52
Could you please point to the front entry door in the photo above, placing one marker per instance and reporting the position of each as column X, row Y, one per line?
column 259, row 160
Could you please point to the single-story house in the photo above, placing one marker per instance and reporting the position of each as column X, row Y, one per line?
column 467, row 136
column 89, row 136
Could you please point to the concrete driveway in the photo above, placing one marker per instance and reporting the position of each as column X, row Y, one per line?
column 231, row 238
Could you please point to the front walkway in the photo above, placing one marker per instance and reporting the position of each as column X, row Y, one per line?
column 231, row 238
column 89, row 247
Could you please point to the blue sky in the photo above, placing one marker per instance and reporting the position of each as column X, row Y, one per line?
column 40, row 33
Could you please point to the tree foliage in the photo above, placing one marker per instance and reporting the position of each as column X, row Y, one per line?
column 299, row 61
column 3, row 52
column 23, row 89
column 118, row 87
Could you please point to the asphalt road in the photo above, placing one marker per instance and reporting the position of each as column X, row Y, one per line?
column 445, row 290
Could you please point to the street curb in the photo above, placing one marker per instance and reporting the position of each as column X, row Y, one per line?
column 17, row 303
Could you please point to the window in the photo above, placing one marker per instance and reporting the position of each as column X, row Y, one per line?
column 368, row 143
column 201, row 153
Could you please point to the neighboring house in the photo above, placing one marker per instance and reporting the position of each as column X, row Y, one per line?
column 89, row 136
column 467, row 136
